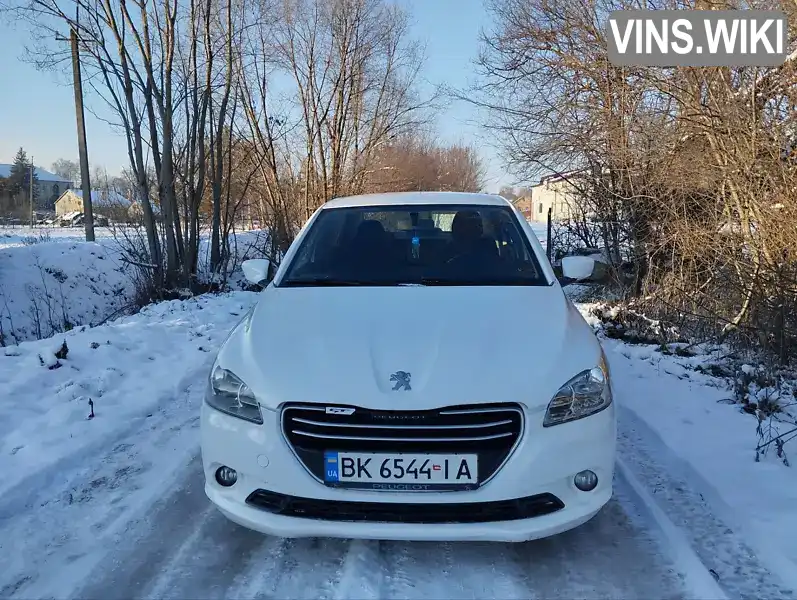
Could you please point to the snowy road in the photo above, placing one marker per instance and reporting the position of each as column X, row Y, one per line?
column 137, row 523
column 114, row 507
column 182, row 547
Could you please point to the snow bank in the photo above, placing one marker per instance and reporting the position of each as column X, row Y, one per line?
column 54, row 286
column 24, row 236
column 125, row 368
column 51, row 280
column 697, row 419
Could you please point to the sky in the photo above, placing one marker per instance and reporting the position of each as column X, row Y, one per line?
column 40, row 115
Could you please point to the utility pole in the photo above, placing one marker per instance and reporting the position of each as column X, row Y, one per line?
column 85, row 185
column 32, row 167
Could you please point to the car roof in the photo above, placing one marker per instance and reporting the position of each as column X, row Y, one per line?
column 418, row 198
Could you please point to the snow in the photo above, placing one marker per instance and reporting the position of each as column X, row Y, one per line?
column 51, row 279
column 11, row 237
column 51, row 286
column 124, row 367
column 701, row 583
column 97, row 507
column 540, row 230
column 67, row 478
column 711, row 444
column 103, row 198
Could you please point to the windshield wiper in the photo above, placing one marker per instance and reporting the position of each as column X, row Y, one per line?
column 475, row 282
column 331, row 282
column 422, row 282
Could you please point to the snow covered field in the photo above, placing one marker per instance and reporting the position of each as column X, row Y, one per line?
column 20, row 236
column 53, row 286
column 113, row 506
column 51, row 280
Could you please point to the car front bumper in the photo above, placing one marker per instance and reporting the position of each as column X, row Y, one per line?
column 544, row 462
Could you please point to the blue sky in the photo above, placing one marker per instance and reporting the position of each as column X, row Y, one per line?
column 40, row 114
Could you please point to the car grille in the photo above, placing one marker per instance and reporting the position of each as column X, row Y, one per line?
column 489, row 430
column 392, row 512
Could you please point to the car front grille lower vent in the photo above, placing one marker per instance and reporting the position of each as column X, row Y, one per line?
column 489, row 430
column 393, row 512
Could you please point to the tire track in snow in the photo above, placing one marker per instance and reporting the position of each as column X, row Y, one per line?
column 607, row 557
column 148, row 543
column 672, row 487
column 307, row 568
column 70, row 529
column 185, row 548
column 263, row 565
column 698, row 577
column 416, row 570
column 209, row 559
column 30, row 491
column 362, row 571
column 484, row 569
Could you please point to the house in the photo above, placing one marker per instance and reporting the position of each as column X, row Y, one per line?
column 136, row 211
column 48, row 189
column 103, row 202
column 525, row 205
column 555, row 192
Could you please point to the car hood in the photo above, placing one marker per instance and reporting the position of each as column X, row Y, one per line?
column 460, row 345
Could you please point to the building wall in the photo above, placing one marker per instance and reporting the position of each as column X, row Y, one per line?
column 525, row 205
column 556, row 194
column 49, row 188
column 49, row 191
column 68, row 203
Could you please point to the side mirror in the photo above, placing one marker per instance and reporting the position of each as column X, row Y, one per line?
column 578, row 267
column 255, row 270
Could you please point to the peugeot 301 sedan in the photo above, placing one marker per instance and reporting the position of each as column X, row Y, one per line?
column 412, row 371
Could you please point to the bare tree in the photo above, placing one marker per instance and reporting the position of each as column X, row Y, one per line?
column 69, row 169
column 148, row 61
column 682, row 173
column 354, row 74
column 508, row 192
column 235, row 108
column 419, row 163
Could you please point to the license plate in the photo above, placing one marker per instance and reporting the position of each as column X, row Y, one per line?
column 401, row 472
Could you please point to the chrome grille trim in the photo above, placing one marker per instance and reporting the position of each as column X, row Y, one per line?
column 477, row 411
column 299, row 451
column 415, row 427
column 479, row 438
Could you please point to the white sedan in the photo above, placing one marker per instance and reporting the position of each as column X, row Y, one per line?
column 412, row 371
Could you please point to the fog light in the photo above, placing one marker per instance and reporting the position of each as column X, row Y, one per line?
column 226, row 476
column 586, row 481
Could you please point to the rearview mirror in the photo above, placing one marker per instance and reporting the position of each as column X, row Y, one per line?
column 255, row 270
column 578, row 267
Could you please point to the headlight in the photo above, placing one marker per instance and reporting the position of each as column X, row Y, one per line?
column 230, row 395
column 587, row 393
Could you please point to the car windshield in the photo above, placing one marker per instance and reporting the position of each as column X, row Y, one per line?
column 420, row 244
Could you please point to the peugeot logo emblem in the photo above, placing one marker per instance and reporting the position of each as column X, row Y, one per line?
column 402, row 379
